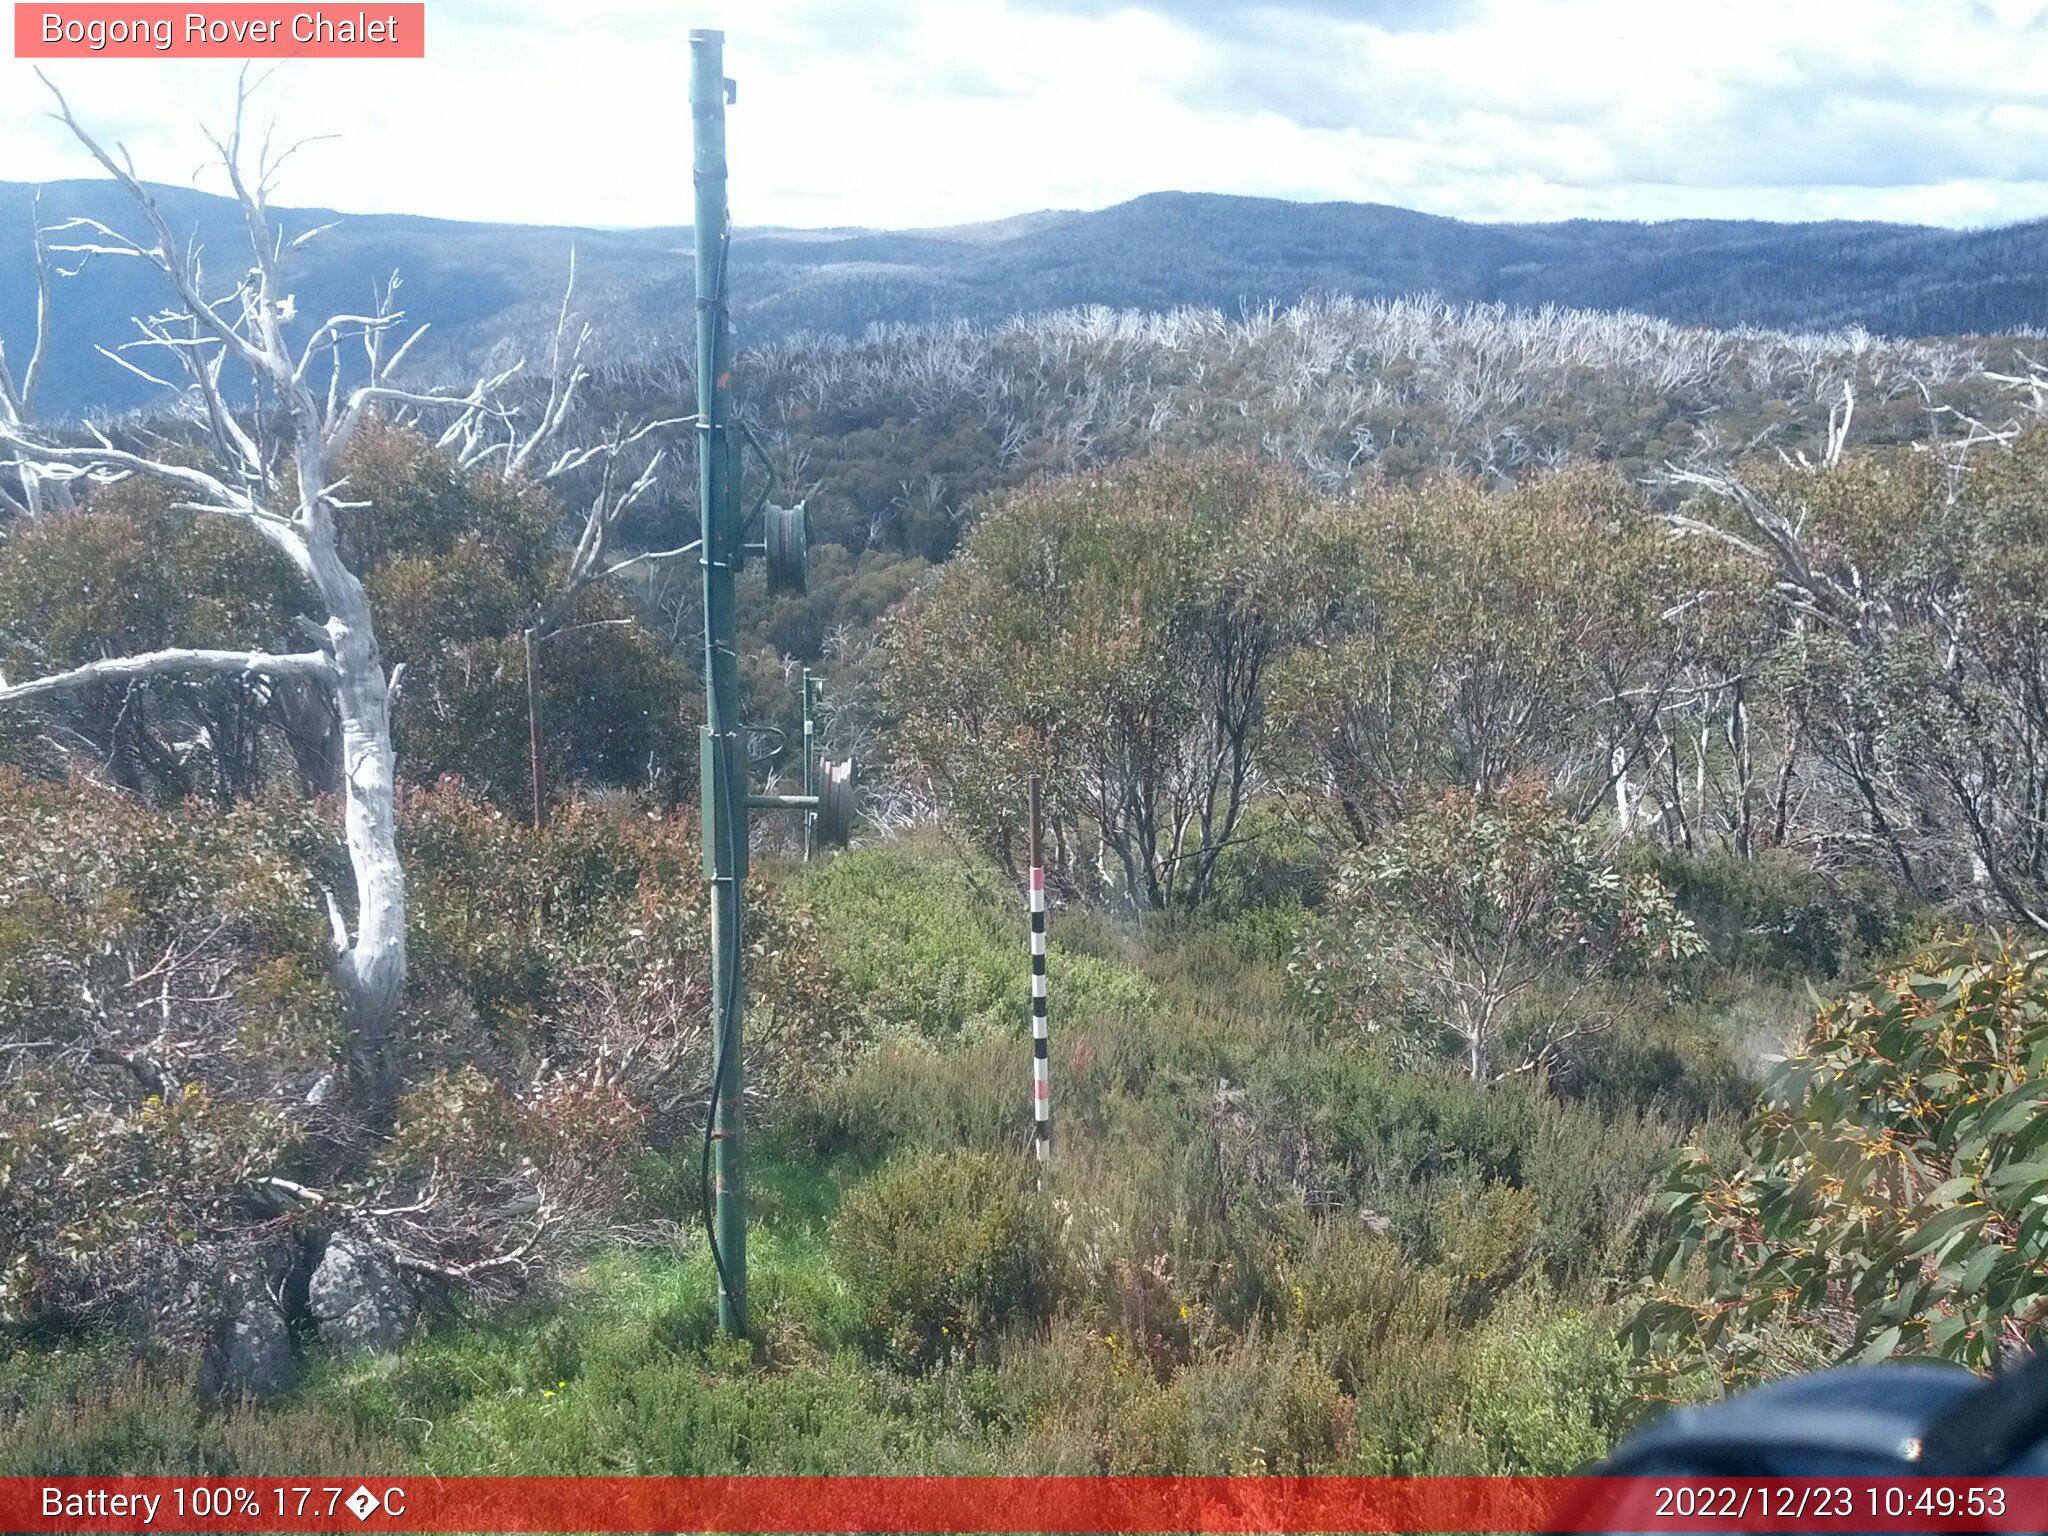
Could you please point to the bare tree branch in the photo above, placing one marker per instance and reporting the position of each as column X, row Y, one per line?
column 155, row 663
column 184, row 278
column 20, row 396
column 217, row 495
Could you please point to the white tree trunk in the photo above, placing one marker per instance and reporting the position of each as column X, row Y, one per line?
column 372, row 966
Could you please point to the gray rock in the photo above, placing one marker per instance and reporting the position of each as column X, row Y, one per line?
column 360, row 1301
column 249, row 1357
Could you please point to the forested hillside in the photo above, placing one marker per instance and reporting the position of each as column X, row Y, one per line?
column 487, row 286
column 1544, row 815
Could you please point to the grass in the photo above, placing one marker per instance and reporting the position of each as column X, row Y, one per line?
column 1262, row 1250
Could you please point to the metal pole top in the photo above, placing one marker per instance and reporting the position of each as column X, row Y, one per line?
column 710, row 90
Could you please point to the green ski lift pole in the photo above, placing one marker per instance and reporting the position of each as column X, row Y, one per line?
column 828, row 801
column 721, row 747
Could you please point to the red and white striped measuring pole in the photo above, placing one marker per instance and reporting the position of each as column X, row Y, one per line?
column 1041, row 1066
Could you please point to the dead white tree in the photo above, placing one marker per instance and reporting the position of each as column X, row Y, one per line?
column 270, row 465
column 18, row 393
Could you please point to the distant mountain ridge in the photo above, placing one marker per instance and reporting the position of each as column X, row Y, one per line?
column 486, row 286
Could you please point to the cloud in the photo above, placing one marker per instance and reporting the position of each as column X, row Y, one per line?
column 1597, row 95
column 924, row 112
column 1232, row 18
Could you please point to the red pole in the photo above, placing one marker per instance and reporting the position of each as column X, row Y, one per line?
column 535, row 757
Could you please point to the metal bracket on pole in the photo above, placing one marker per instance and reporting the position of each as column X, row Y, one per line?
column 810, row 766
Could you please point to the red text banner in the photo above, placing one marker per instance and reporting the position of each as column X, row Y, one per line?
column 235, row 31
column 1020, row 1504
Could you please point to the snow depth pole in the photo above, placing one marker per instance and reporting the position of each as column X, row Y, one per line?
column 721, row 746
column 1041, row 1066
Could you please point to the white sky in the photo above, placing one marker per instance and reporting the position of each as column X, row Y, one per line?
column 899, row 113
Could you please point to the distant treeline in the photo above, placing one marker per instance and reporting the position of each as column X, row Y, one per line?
column 483, row 283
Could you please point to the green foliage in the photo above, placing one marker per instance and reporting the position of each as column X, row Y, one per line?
column 149, row 1424
column 1774, row 914
column 1423, row 1155
column 1546, row 1391
column 457, row 566
column 1274, row 865
column 1891, row 1197
column 620, row 1373
column 1481, row 926
column 945, row 962
column 1901, row 647
column 175, row 1033
column 1115, row 630
column 1258, row 1250
column 896, row 475
column 163, row 986
column 940, row 965
column 1481, row 639
column 593, row 935
column 133, row 573
column 420, row 503
column 1279, row 1235
column 846, row 592
column 168, row 1178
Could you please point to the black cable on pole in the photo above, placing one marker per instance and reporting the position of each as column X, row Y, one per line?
column 722, row 1053
column 718, row 1072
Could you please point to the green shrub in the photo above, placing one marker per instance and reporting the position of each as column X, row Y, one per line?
column 1409, row 1149
column 914, row 930
column 904, row 1093
column 131, row 572
column 1377, row 1316
column 147, row 1423
column 1774, row 914
column 1687, row 1060
column 942, row 1252
column 1267, row 1408
column 1389, row 1128
column 1547, row 1388
column 1890, row 1197
column 1092, row 1403
column 1592, row 1177
column 163, row 979
column 1113, row 628
column 1482, row 1234
column 1486, row 929
column 1272, row 863
column 929, row 940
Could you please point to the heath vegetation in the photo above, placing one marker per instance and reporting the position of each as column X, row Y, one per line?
column 1546, row 829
